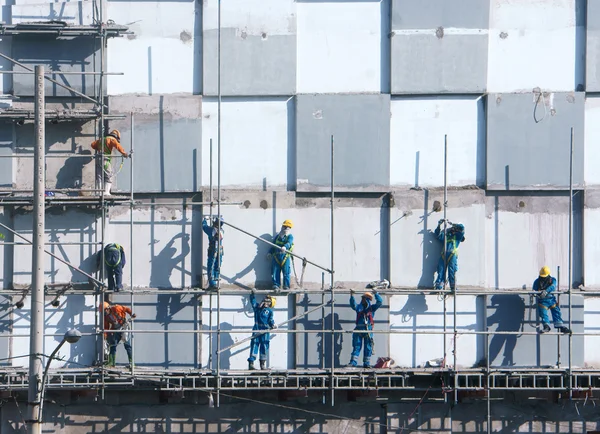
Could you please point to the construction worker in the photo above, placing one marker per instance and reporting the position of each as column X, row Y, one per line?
column 455, row 235
column 115, row 318
column 114, row 261
column 263, row 320
column 280, row 262
column 215, row 259
column 365, row 320
column 545, row 285
column 104, row 148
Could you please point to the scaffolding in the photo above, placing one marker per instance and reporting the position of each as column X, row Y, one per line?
column 448, row 380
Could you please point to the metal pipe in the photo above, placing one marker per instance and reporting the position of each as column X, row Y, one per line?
column 76, row 92
column 218, row 402
column 571, row 261
column 131, row 243
column 271, row 244
column 445, row 277
column 52, row 254
column 36, row 342
column 62, row 73
column 84, row 243
column 332, row 276
column 487, row 366
column 558, row 299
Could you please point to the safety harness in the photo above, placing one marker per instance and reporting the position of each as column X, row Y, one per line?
column 280, row 242
column 543, row 285
column 213, row 243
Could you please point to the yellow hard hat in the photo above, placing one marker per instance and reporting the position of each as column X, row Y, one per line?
column 368, row 295
column 545, row 271
column 116, row 133
column 273, row 301
column 288, row 223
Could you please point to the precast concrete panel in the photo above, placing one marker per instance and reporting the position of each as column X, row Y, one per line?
column 5, row 330
column 439, row 46
column 163, row 55
column 591, row 255
column 415, row 251
column 525, row 35
column 167, row 148
column 524, row 233
column 591, row 140
column 592, row 74
column 528, row 140
column 592, row 325
column 236, row 313
column 6, row 152
column 315, row 350
column 418, row 127
column 79, row 13
column 360, row 125
column 73, row 54
column 411, row 314
column 342, row 47
column 510, row 313
column 258, row 47
column 257, row 138
column 163, row 313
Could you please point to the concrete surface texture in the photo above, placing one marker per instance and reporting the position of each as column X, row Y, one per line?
column 503, row 81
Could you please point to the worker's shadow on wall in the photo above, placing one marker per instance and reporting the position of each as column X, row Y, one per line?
column 510, row 316
column 260, row 264
column 225, row 341
column 416, row 304
column 70, row 174
column 163, row 265
column 432, row 250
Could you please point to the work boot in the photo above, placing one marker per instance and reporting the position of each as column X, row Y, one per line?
column 111, row 361
column 367, row 365
column 131, row 364
column 546, row 328
column 107, row 187
column 251, row 366
column 352, row 364
column 563, row 329
column 263, row 364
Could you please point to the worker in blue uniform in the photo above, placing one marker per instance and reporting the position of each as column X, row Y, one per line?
column 114, row 261
column 215, row 243
column 545, row 285
column 280, row 256
column 263, row 320
column 453, row 235
column 365, row 320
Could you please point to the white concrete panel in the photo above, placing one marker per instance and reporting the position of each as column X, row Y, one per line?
column 592, row 138
column 416, row 252
column 159, row 58
column 426, row 313
column 518, row 244
column 253, row 17
column 73, row 13
column 75, row 311
column 236, row 313
column 525, row 40
column 418, row 126
column 256, row 139
column 339, row 47
column 592, row 325
column 591, row 254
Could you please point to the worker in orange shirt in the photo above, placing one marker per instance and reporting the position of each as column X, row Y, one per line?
column 115, row 318
column 104, row 148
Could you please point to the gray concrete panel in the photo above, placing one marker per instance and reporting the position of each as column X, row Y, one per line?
column 250, row 64
column 6, row 149
column 528, row 140
column 163, row 312
column 168, row 143
column 592, row 75
column 361, row 126
column 431, row 14
column 510, row 312
column 5, row 329
column 68, row 55
column 314, row 350
column 427, row 63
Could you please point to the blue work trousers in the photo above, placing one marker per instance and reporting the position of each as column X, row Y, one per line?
column 357, row 343
column 550, row 304
column 115, row 277
column 284, row 268
column 113, row 341
column 452, row 269
column 259, row 342
column 213, row 268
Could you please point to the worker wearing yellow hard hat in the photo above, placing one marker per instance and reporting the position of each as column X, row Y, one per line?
column 263, row 320
column 545, row 286
column 280, row 257
column 104, row 147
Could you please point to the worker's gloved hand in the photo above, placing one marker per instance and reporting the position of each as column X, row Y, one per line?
column 440, row 222
column 543, row 294
column 374, row 290
column 134, row 316
column 274, row 327
column 283, row 249
column 253, row 291
column 352, row 291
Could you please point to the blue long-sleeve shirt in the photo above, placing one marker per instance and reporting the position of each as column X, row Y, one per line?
column 263, row 316
column 365, row 315
column 454, row 237
column 211, row 233
column 548, row 285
